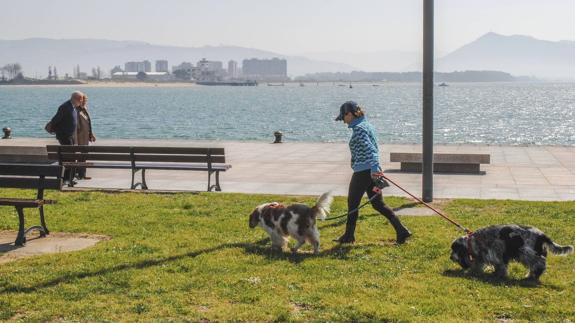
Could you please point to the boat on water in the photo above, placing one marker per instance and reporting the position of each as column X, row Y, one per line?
column 443, row 84
column 301, row 84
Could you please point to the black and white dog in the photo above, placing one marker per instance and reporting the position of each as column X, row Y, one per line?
column 296, row 220
column 498, row 245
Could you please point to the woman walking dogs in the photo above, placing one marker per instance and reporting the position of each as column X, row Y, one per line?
column 365, row 165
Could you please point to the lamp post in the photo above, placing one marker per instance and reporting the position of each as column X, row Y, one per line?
column 427, row 132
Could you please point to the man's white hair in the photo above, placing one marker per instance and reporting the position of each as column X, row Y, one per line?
column 77, row 95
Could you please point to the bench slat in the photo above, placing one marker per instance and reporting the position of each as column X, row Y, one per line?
column 222, row 167
column 90, row 156
column 168, row 166
column 442, row 158
column 148, row 158
column 98, row 165
column 179, row 158
column 141, row 150
column 31, row 170
column 24, row 202
column 96, row 149
column 178, row 150
column 29, row 182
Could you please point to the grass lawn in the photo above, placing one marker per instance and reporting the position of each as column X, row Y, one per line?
column 192, row 257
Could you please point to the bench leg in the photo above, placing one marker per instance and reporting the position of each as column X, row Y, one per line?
column 218, row 187
column 209, row 181
column 44, row 231
column 21, row 238
column 132, row 186
column 71, row 174
column 144, row 185
column 215, row 186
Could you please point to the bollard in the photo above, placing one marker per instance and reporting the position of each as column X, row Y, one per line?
column 278, row 135
column 7, row 133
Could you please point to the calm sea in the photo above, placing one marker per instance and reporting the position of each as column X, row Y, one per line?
column 490, row 113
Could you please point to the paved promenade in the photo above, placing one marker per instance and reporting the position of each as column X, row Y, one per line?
column 543, row 173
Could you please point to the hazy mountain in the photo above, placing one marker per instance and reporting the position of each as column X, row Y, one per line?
column 518, row 55
column 36, row 54
column 388, row 61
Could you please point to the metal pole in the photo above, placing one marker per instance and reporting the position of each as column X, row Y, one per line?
column 427, row 178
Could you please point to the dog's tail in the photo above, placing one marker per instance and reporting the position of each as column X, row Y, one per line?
column 557, row 249
column 321, row 207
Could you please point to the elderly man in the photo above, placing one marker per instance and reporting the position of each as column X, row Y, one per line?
column 65, row 121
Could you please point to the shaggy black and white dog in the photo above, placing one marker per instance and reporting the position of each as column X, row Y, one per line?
column 498, row 245
column 296, row 220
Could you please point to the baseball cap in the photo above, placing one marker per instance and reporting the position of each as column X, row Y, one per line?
column 349, row 106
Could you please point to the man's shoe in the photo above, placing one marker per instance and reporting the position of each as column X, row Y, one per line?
column 87, row 178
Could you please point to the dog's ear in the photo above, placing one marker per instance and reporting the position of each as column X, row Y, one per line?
column 254, row 218
column 460, row 249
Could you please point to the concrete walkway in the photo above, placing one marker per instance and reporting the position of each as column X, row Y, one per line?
column 544, row 173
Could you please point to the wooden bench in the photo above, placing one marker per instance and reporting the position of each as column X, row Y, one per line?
column 442, row 163
column 24, row 155
column 139, row 159
column 30, row 176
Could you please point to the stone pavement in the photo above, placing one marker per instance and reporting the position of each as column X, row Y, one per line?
column 55, row 242
column 542, row 173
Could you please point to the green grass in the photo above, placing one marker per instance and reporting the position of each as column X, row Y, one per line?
column 187, row 257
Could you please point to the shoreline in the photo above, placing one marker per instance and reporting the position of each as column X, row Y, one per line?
column 111, row 84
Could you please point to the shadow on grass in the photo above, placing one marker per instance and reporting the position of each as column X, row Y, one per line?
column 260, row 247
column 362, row 217
column 496, row 281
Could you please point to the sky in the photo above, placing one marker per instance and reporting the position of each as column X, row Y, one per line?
column 289, row 26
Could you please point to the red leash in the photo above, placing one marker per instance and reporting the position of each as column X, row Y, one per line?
column 466, row 230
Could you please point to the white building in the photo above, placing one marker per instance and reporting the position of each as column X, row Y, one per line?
column 162, row 66
column 144, row 66
column 210, row 71
column 274, row 69
column 233, row 71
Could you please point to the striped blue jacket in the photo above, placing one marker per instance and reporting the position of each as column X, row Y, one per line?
column 363, row 146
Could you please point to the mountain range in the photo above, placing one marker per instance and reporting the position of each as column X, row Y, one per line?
column 516, row 54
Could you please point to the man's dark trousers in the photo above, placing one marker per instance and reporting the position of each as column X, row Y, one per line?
column 66, row 140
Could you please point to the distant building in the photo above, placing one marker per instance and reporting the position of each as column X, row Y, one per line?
column 213, row 66
column 274, row 69
column 162, row 66
column 144, row 66
column 186, row 66
column 209, row 71
column 233, row 69
column 184, row 71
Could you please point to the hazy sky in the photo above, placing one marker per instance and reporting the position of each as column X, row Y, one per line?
column 287, row 26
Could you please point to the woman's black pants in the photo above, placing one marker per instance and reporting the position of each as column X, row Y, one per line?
column 361, row 183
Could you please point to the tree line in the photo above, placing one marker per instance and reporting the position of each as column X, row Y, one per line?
column 10, row 71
